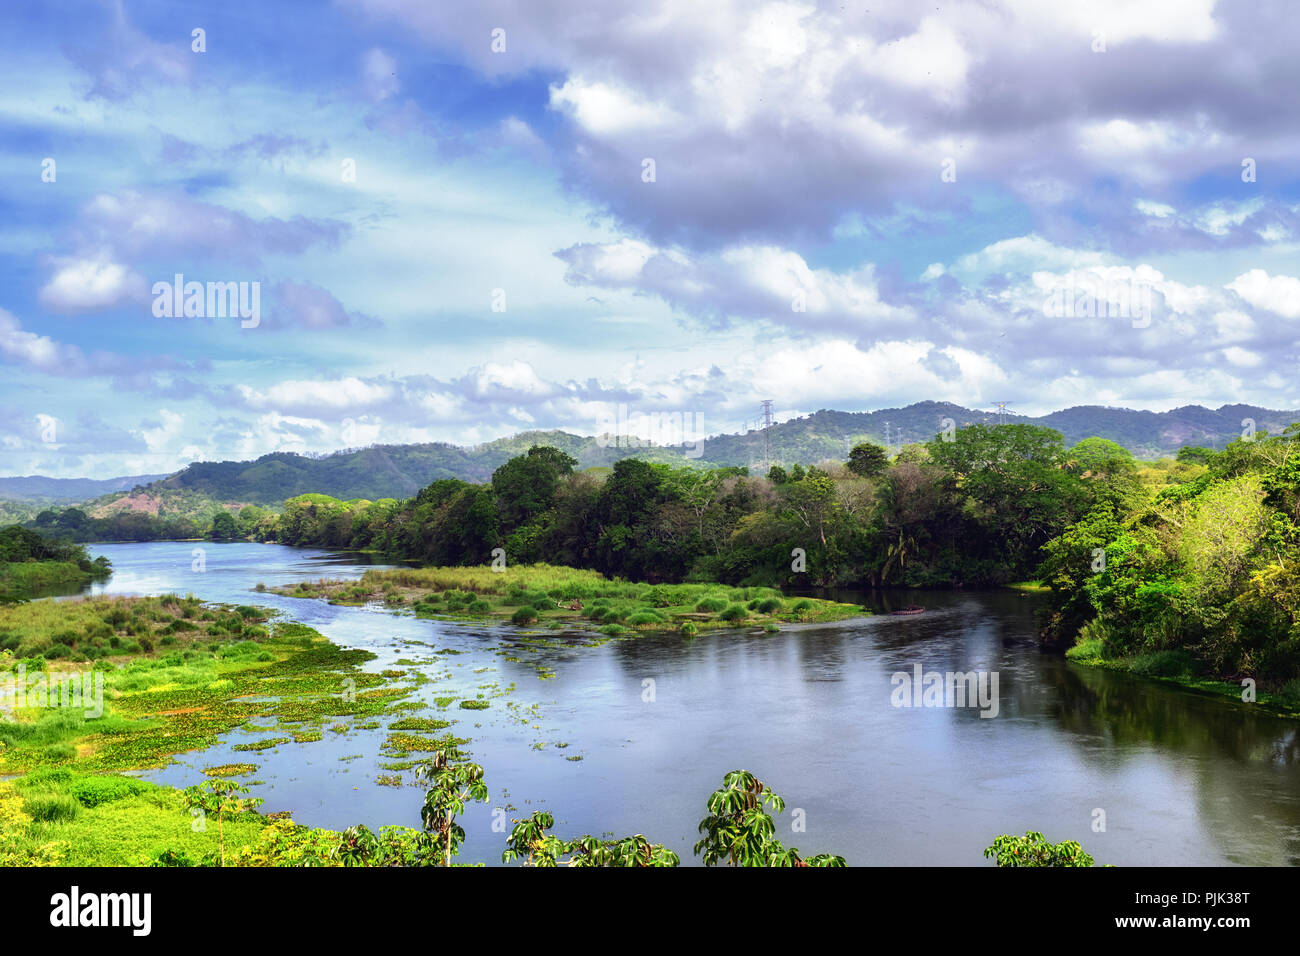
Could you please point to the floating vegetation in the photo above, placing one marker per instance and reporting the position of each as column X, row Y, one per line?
column 266, row 744
column 401, row 744
column 389, row 780
column 420, row 723
column 474, row 704
column 230, row 769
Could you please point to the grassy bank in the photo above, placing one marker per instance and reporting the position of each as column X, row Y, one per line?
column 550, row 596
column 23, row 579
column 177, row 675
column 1180, row 668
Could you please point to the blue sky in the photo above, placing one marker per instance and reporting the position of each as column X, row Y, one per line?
column 849, row 209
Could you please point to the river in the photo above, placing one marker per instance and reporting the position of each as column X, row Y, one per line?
column 1178, row 778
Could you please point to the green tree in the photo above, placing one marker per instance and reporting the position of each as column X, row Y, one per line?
column 224, row 527
column 739, row 831
column 219, row 797
column 530, row 841
column 868, row 460
column 450, row 785
column 1033, row 849
column 525, row 486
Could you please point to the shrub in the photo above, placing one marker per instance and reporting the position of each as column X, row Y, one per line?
column 91, row 791
column 711, row 605
column 480, row 607
column 689, row 629
column 1033, row 849
column 734, row 612
column 51, row 807
column 658, row 597
column 57, row 651
column 1165, row 664
column 642, row 618
column 769, row 605
column 524, row 615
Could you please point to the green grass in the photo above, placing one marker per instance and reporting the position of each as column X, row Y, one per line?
column 549, row 596
column 164, row 702
column 85, row 820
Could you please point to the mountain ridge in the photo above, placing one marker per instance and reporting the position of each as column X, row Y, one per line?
column 399, row 471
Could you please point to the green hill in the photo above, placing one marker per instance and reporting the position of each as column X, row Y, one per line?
column 399, row 471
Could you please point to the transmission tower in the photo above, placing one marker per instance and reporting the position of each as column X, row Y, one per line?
column 767, row 434
column 1002, row 412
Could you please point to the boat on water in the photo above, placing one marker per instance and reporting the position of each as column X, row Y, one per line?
column 913, row 609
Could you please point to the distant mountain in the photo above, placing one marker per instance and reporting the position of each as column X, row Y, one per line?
column 399, row 471
column 40, row 488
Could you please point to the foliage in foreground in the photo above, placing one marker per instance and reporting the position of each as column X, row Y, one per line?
column 1034, row 849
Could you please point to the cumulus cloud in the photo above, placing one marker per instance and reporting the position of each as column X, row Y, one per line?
column 778, row 119
column 1279, row 294
column 80, row 285
column 740, row 282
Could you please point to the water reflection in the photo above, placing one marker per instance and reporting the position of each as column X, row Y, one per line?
column 657, row 720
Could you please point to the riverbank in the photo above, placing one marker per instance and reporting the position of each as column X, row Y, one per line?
column 1178, row 668
column 157, row 677
column 20, row 580
column 554, row 597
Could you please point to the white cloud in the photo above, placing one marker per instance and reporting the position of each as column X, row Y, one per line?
column 1279, row 294
column 80, row 285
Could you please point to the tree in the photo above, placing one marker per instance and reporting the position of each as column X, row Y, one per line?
column 740, row 832
column 1033, row 849
column 530, row 841
column 224, row 527
column 219, row 797
column 450, row 785
column 525, row 486
column 1195, row 455
column 867, row 460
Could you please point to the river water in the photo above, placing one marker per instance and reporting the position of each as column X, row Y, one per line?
column 1137, row 771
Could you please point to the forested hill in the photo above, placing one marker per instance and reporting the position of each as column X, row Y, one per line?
column 399, row 471
column 40, row 488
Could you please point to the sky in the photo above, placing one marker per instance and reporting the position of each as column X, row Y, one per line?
column 462, row 221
